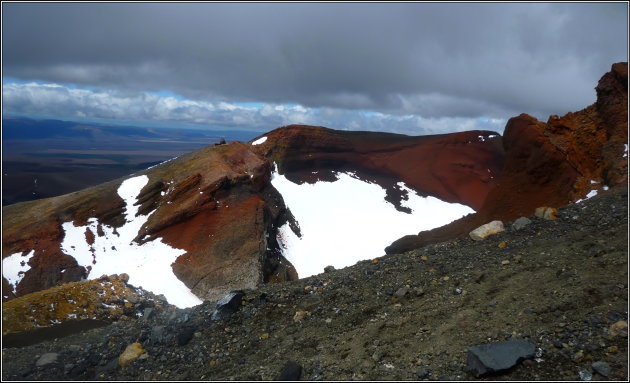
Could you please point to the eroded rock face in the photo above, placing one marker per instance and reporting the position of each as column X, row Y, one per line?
column 553, row 163
column 215, row 205
column 559, row 162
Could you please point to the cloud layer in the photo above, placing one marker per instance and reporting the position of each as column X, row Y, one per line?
column 431, row 60
column 53, row 100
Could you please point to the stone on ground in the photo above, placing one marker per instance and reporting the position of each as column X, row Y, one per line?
column 131, row 353
column 493, row 357
column 487, row 230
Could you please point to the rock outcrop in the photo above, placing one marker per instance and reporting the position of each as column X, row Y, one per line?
column 553, row 163
column 216, row 205
column 105, row 299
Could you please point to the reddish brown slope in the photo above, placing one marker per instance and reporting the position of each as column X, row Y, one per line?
column 553, row 163
column 458, row 167
column 215, row 203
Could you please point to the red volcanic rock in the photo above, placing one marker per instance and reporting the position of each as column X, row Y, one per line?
column 216, row 203
column 553, row 163
column 458, row 167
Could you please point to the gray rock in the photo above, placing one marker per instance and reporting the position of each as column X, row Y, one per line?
column 67, row 368
column 329, row 269
column 148, row 312
column 585, row 375
column 158, row 335
column 521, row 223
column 423, row 374
column 106, row 369
column 601, row 368
column 228, row 305
column 47, row 358
column 290, row 371
column 401, row 292
column 185, row 335
column 498, row 356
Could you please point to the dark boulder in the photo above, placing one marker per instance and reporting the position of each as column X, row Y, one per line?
column 228, row 305
column 498, row 356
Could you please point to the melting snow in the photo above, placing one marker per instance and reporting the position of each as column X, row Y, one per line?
column 348, row 220
column 148, row 265
column 15, row 266
column 260, row 140
column 590, row 194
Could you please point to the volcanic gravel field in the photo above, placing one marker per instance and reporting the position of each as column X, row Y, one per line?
column 560, row 284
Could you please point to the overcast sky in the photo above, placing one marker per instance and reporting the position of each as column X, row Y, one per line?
column 410, row 67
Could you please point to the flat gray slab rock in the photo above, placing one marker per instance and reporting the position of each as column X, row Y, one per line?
column 494, row 357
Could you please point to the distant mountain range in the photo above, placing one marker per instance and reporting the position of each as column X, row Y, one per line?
column 46, row 158
column 14, row 128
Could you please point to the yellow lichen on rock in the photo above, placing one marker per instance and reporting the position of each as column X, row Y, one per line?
column 131, row 353
column 548, row 213
column 102, row 299
column 619, row 328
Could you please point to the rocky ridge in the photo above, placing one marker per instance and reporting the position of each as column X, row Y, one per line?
column 219, row 207
column 216, row 203
column 553, row 163
column 560, row 285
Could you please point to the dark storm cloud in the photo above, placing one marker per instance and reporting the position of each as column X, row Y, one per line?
column 433, row 60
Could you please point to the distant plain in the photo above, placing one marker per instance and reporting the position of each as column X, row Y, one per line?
column 47, row 158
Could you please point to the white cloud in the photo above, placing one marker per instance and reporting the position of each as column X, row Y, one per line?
column 64, row 102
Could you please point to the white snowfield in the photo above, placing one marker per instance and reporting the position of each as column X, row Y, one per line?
column 148, row 265
column 260, row 140
column 14, row 266
column 348, row 220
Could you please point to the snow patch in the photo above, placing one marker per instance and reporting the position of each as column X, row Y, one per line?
column 15, row 266
column 348, row 220
column 590, row 194
column 148, row 265
column 260, row 140
column 625, row 150
column 161, row 163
